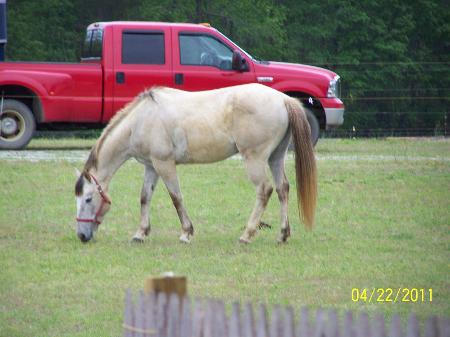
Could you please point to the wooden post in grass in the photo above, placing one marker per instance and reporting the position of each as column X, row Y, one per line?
column 167, row 284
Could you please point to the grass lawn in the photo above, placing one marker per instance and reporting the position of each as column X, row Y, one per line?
column 383, row 220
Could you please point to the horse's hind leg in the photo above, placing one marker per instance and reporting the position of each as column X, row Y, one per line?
column 150, row 180
column 276, row 164
column 282, row 188
column 256, row 170
column 167, row 172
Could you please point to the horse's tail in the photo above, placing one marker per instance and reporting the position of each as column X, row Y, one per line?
column 305, row 162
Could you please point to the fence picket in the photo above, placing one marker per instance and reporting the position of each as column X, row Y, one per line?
column 139, row 315
column 289, row 322
column 319, row 329
column 396, row 327
column 197, row 320
column 378, row 328
column 332, row 327
column 235, row 321
column 348, row 329
column 161, row 317
column 444, row 327
column 261, row 328
column 363, row 328
column 304, row 329
column 186, row 322
column 207, row 320
column 173, row 316
column 150, row 321
column 128, row 315
column 276, row 326
column 248, row 321
column 412, row 329
column 431, row 327
column 221, row 320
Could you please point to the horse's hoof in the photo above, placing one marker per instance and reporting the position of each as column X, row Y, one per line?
column 191, row 230
column 285, row 233
column 283, row 238
column 282, row 241
column 244, row 241
column 137, row 240
column 184, row 238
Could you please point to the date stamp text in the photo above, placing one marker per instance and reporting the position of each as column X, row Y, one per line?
column 392, row 295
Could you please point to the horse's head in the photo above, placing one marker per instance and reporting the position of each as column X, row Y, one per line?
column 92, row 205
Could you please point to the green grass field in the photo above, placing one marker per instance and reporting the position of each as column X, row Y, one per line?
column 383, row 220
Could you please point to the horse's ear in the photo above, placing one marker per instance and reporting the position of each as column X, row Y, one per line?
column 77, row 173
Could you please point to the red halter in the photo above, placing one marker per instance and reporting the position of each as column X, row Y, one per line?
column 105, row 201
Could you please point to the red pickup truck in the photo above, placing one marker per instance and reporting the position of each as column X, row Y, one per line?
column 120, row 59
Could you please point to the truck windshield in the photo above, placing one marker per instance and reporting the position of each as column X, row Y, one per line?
column 93, row 44
column 256, row 59
column 232, row 43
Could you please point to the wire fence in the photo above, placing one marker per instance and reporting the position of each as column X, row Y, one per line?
column 418, row 118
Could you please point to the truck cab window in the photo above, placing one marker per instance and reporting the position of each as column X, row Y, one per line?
column 142, row 47
column 93, row 44
column 204, row 50
column 97, row 43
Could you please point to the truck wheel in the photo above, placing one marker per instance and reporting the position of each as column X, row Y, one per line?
column 314, row 125
column 17, row 125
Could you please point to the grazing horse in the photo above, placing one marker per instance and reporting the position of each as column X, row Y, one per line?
column 163, row 127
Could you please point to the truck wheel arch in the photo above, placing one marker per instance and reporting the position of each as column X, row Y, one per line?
column 26, row 96
column 316, row 107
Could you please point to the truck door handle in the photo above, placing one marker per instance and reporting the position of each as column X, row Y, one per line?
column 179, row 79
column 120, row 77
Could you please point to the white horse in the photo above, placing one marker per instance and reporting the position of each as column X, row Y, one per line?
column 164, row 127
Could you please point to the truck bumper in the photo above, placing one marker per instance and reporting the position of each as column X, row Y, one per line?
column 334, row 116
column 334, row 112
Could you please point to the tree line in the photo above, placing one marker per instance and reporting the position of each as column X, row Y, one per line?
column 393, row 56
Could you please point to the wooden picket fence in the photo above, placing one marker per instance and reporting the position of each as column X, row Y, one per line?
column 160, row 315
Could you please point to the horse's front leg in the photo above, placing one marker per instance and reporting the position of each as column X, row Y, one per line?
column 256, row 170
column 150, row 180
column 167, row 171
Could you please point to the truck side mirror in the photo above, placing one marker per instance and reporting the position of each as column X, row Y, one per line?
column 239, row 63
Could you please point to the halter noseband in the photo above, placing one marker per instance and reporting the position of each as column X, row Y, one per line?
column 105, row 201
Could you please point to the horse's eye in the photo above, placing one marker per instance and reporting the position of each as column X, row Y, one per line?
column 88, row 200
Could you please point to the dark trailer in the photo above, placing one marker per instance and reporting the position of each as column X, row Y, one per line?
column 2, row 29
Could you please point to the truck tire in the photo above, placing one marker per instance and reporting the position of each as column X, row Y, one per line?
column 17, row 125
column 314, row 125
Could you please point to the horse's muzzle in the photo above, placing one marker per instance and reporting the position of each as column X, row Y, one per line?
column 84, row 238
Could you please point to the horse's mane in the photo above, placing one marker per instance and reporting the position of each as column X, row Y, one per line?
column 113, row 123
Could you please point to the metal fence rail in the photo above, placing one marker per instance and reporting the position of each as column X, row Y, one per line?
column 169, row 316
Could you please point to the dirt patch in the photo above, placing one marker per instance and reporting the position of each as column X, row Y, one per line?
column 82, row 155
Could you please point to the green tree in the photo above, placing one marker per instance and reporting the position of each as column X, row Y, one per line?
column 42, row 30
column 392, row 56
